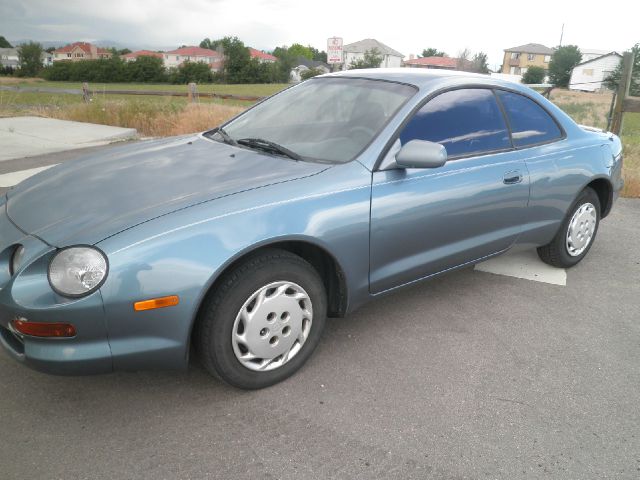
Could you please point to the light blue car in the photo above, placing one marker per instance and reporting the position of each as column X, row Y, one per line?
column 237, row 243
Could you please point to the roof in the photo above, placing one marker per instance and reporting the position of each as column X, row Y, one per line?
column 142, row 53
column 369, row 44
column 261, row 55
column 195, row 52
column 9, row 51
column 310, row 63
column 598, row 58
column 593, row 51
column 440, row 62
column 532, row 48
column 84, row 46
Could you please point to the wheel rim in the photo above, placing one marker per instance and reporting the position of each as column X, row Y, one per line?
column 581, row 229
column 272, row 326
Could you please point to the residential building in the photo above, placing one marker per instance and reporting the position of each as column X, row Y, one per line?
column 175, row 58
column 518, row 59
column 9, row 58
column 304, row 64
column 262, row 56
column 130, row 57
column 77, row 51
column 355, row 51
column 588, row 76
column 441, row 63
column 47, row 59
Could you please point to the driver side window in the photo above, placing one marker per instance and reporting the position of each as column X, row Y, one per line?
column 466, row 122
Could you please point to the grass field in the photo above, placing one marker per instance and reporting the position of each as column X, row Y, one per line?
column 166, row 115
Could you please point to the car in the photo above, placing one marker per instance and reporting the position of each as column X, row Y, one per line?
column 237, row 243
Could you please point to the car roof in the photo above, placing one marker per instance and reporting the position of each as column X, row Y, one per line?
column 427, row 78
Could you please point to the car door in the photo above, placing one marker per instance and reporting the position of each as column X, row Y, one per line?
column 425, row 221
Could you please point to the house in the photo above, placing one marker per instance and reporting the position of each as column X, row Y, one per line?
column 588, row 76
column 355, row 51
column 442, row 63
column 590, row 53
column 9, row 58
column 262, row 56
column 131, row 57
column 175, row 58
column 80, row 51
column 47, row 59
column 304, row 64
column 518, row 59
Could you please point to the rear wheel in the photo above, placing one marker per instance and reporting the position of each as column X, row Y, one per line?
column 577, row 233
column 263, row 321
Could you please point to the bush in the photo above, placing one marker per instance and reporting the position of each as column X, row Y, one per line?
column 191, row 72
column 534, row 75
column 307, row 74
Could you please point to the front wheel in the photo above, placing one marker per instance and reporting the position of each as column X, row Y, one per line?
column 577, row 233
column 263, row 321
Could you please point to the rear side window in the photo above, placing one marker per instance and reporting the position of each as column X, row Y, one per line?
column 467, row 121
column 530, row 123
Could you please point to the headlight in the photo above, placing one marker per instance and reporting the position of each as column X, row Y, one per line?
column 77, row 271
column 16, row 259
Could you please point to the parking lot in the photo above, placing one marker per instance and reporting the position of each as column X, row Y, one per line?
column 472, row 375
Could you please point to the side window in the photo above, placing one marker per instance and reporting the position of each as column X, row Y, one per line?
column 465, row 121
column 530, row 123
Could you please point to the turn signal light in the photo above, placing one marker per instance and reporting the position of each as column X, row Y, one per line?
column 38, row 329
column 161, row 302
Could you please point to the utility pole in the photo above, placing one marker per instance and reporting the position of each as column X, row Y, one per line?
column 621, row 105
column 561, row 35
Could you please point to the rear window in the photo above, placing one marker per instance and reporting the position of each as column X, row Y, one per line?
column 530, row 123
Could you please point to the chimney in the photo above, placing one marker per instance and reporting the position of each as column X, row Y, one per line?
column 411, row 56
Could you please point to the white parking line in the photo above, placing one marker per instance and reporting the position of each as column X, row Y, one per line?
column 525, row 265
column 13, row 178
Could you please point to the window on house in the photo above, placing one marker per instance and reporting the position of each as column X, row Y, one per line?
column 515, row 55
column 68, row 55
column 531, row 57
column 587, row 72
column 530, row 123
column 517, row 71
column 547, row 58
column 466, row 122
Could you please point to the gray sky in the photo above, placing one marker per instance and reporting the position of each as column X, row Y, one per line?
column 407, row 26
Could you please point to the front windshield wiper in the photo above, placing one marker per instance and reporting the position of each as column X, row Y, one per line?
column 225, row 136
column 269, row 146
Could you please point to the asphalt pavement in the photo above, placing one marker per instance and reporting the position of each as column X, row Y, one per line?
column 471, row 375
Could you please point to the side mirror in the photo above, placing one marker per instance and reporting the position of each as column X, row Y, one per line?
column 421, row 154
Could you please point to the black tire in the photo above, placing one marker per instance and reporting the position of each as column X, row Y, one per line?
column 556, row 253
column 213, row 333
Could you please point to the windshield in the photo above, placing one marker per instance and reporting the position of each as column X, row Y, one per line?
column 327, row 119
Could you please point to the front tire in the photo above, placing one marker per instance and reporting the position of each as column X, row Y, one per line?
column 576, row 234
column 263, row 321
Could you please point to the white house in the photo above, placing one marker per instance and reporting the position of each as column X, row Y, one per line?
column 9, row 57
column 355, row 51
column 588, row 76
column 176, row 57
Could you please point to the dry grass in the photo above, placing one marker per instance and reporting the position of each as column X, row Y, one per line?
column 593, row 109
column 19, row 80
column 150, row 119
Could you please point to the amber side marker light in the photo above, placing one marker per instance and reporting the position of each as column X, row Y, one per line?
column 161, row 302
column 37, row 329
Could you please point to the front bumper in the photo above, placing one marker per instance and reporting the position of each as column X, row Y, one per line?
column 27, row 294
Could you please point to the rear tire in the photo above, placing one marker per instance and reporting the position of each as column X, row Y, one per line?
column 263, row 321
column 576, row 234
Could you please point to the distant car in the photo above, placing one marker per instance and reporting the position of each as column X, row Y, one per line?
column 240, row 241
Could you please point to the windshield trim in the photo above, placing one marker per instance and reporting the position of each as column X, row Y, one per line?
column 328, row 77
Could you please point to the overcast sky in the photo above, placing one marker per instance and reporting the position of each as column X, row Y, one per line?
column 407, row 26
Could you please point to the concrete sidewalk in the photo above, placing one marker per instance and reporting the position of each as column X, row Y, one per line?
column 22, row 137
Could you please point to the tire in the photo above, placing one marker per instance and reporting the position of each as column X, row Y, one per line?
column 560, row 252
column 236, row 322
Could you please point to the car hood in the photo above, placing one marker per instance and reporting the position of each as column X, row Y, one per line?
column 85, row 201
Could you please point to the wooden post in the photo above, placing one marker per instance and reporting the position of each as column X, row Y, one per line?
column 86, row 96
column 622, row 93
column 193, row 92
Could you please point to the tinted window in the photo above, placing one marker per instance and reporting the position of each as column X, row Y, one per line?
column 464, row 121
column 530, row 124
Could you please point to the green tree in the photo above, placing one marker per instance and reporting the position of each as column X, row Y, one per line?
column 123, row 51
column 319, row 55
column 210, row 44
column 29, row 58
column 236, row 61
column 145, row 69
column 372, row 59
column 613, row 80
column 480, row 63
column 298, row 50
column 534, row 75
column 4, row 43
column 191, row 72
column 563, row 60
column 433, row 52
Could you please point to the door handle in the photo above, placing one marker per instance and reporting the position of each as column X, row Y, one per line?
column 513, row 177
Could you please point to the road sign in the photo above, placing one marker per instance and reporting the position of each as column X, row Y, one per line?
column 334, row 50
